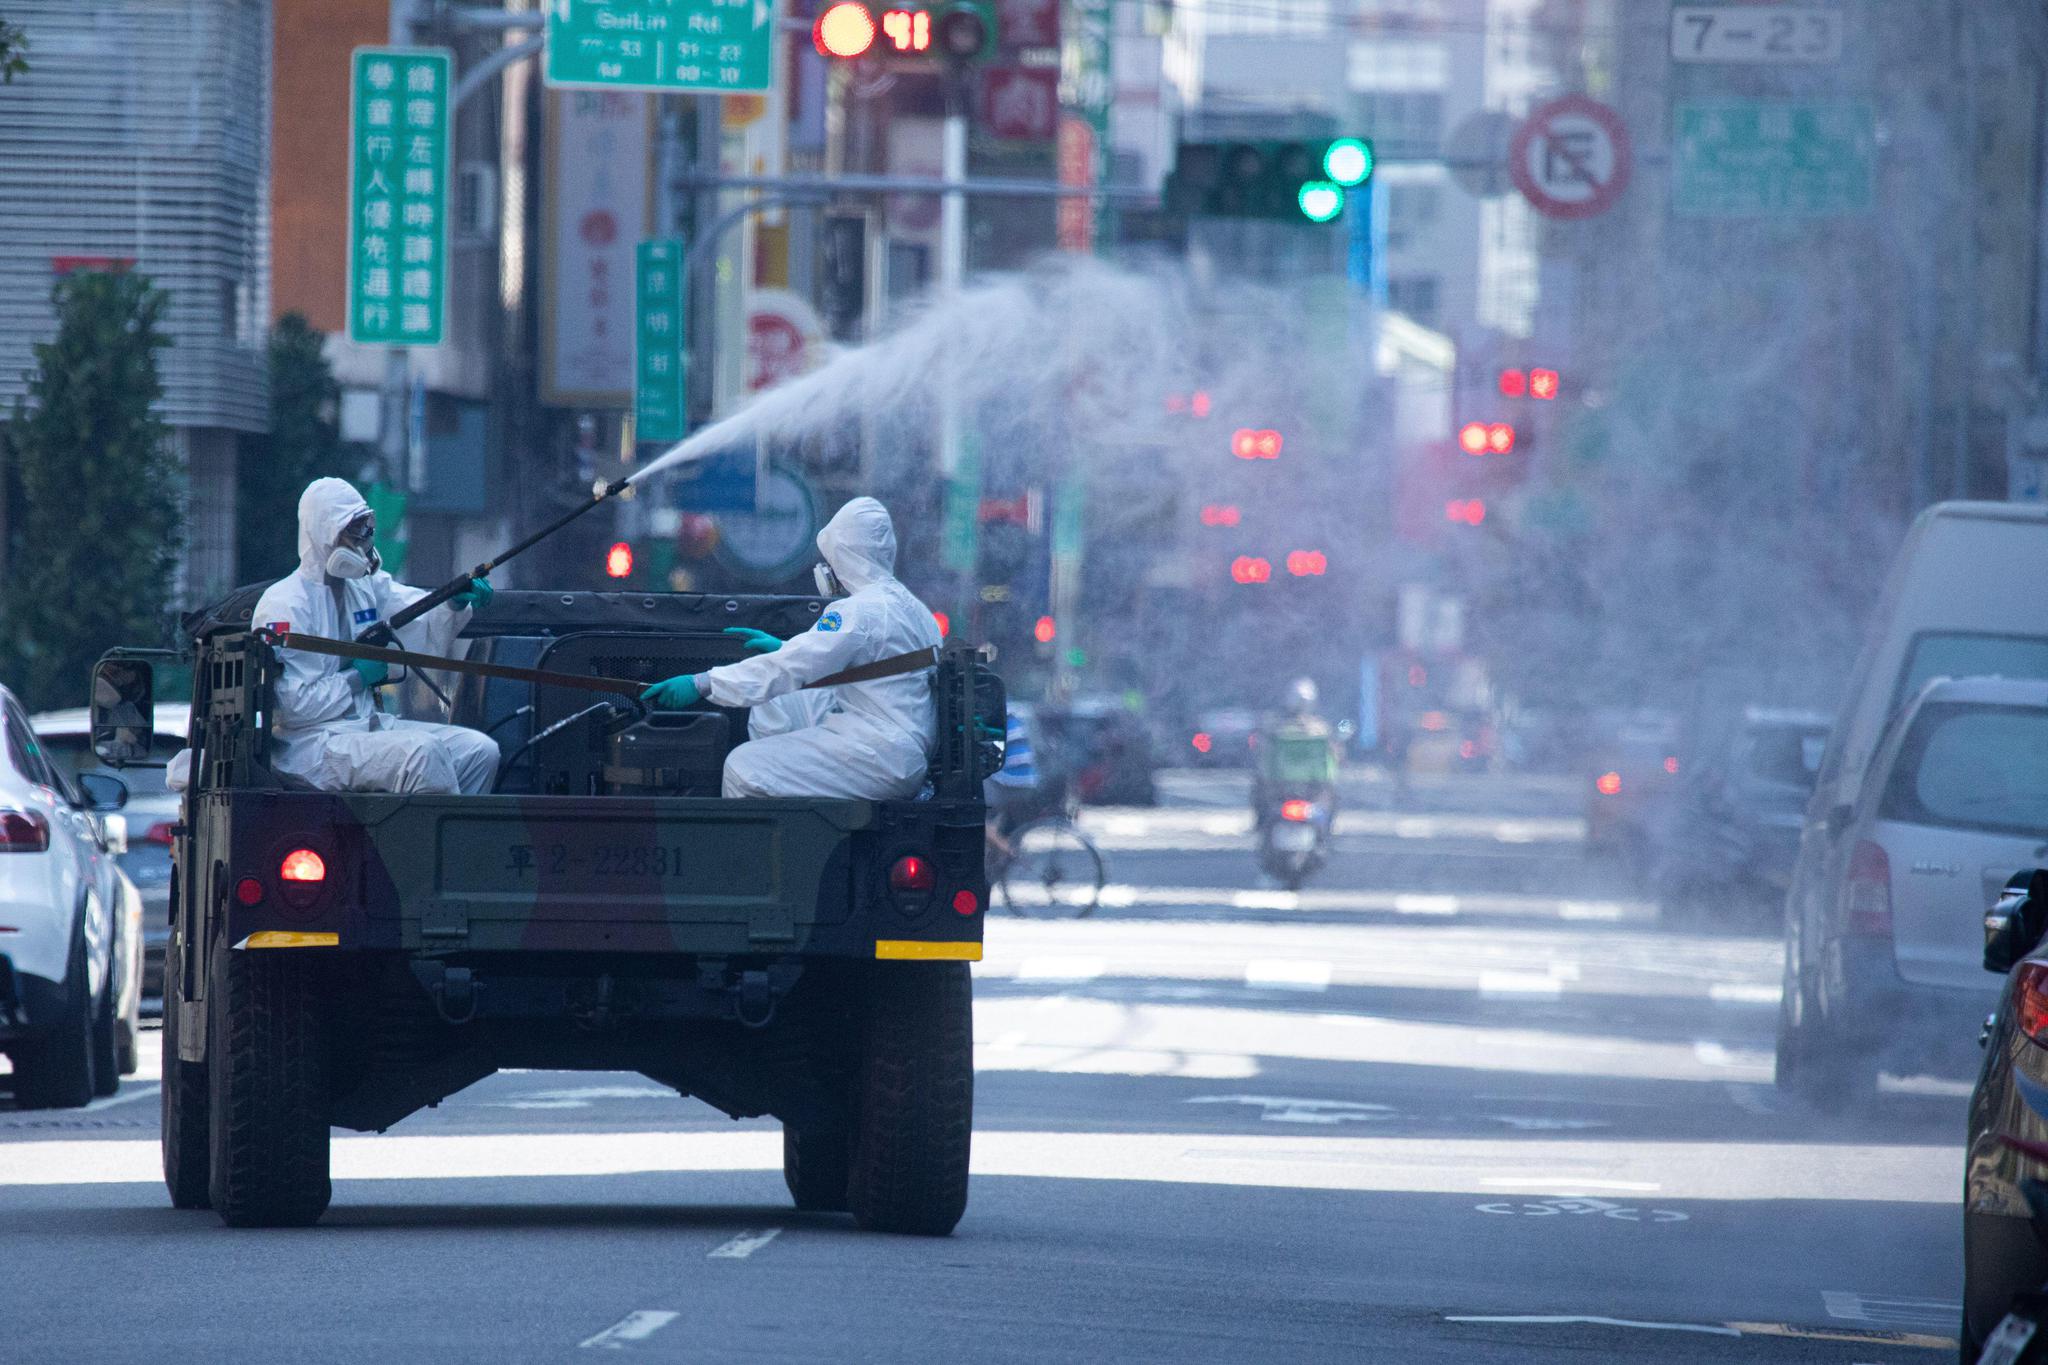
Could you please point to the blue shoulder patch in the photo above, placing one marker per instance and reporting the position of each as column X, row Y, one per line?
column 366, row 614
column 831, row 621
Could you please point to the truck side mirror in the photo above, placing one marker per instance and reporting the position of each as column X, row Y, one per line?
column 2015, row 923
column 123, row 712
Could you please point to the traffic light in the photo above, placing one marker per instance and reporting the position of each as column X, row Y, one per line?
column 1285, row 181
column 1307, row 563
column 618, row 560
column 1470, row 511
column 1221, row 514
column 1543, row 384
column 955, row 31
column 1251, row 569
column 1513, row 383
column 1045, row 630
column 1256, row 443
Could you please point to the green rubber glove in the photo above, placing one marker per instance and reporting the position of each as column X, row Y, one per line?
column 675, row 693
column 373, row 672
column 478, row 594
column 760, row 641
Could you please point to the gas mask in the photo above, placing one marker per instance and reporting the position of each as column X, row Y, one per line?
column 355, row 554
column 827, row 581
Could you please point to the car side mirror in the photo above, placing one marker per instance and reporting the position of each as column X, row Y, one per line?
column 2016, row 921
column 124, row 712
column 103, row 791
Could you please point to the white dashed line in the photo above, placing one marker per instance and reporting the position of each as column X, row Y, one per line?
column 1414, row 903
column 744, row 1245
column 636, row 1326
column 1266, row 900
column 1519, row 983
column 1739, row 993
column 1060, row 968
column 130, row 1092
column 1287, row 974
column 1710, row 1053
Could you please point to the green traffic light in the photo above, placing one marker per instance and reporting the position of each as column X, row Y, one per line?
column 1348, row 162
column 1320, row 201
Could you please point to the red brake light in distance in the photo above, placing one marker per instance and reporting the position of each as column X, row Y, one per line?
column 618, row 561
column 912, row 874
column 1472, row 438
column 2030, row 1000
column 1868, row 893
column 1203, row 742
column 1296, row 810
column 1608, row 784
column 303, row 865
column 23, row 831
column 1513, row 383
column 1543, row 384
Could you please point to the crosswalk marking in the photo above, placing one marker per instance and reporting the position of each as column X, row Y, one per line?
column 635, row 1326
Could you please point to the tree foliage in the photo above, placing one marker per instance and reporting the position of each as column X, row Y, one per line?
column 13, row 52
column 96, row 490
column 303, row 444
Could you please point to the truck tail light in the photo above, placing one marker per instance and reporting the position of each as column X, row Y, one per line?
column 966, row 903
column 159, row 833
column 1867, row 896
column 303, row 865
column 913, row 876
column 249, row 891
column 23, row 831
column 2030, row 1000
column 1297, row 810
column 1608, row 784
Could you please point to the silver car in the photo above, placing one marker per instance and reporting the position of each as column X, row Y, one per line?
column 1883, row 948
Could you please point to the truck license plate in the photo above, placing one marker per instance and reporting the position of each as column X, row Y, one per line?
column 1293, row 838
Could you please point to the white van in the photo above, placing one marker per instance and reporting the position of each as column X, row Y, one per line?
column 1967, row 597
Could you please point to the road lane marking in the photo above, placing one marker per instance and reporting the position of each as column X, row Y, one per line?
column 1711, row 1053
column 1415, row 903
column 1287, row 974
column 129, row 1092
column 1060, row 969
column 1874, row 1310
column 635, row 1326
column 1589, row 910
column 1565, row 1182
column 1519, row 983
column 1282, row 1109
column 1265, row 900
column 744, row 1245
column 1712, row 1329
column 1739, row 993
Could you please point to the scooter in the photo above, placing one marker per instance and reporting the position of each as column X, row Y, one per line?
column 1294, row 841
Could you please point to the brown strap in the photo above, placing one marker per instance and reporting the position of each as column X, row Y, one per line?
column 913, row 662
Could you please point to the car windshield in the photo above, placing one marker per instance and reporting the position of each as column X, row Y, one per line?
column 73, row 754
column 1946, row 655
column 1786, row 754
column 1974, row 767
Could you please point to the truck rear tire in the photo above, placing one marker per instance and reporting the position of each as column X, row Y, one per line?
column 54, row 1069
column 184, row 1110
column 915, row 1116
column 817, row 1163
column 267, row 1090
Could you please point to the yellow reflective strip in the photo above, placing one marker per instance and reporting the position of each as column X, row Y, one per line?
column 282, row 938
column 911, row 949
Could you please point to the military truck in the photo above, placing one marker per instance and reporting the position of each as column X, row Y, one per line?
column 345, row 959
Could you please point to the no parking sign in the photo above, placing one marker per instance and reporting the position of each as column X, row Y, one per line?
column 1570, row 158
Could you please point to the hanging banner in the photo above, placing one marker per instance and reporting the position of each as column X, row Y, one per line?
column 599, row 205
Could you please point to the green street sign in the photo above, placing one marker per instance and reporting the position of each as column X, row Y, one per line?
column 398, row 195
column 658, row 360
column 714, row 46
column 1769, row 158
column 960, row 527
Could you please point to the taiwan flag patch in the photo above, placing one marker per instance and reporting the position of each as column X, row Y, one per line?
column 279, row 627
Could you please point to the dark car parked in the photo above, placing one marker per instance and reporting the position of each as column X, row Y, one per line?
column 1103, row 748
column 1730, row 850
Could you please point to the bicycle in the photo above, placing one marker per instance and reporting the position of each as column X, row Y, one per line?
column 1047, row 866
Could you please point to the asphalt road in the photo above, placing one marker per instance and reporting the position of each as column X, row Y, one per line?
column 1460, row 1100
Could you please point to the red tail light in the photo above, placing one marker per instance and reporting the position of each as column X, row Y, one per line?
column 913, row 875
column 2030, row 1000
column 1868, row 894
column 249, row 891
column 1296, row 810
column 1202, row 742
column 23, row 831
column 303, row 865
column 966, row 902
column 159, row 833
column 1608, row 784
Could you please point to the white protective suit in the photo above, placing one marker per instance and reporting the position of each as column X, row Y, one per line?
column 328, row 730
column 869, row 740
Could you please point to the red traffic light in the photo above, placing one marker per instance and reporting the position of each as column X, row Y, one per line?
column 1472, row 438
column 618, row 561
column 1513, row 383
column 1500, row 438
column 846, row 29
column 1543, row 384
column 1471, row 511
column 1250, row 443
column 1045, row 630
column 1307, row 563
column 908, row 30
column 1251, row 569
column 1221, row 514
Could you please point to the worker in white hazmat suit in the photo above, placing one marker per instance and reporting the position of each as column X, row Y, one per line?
column 869, row 740
column 328, row 729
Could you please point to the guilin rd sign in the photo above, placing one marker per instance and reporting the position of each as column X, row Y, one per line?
column 709, row 46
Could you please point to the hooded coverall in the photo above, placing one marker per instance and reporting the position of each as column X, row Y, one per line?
column 328, row 730
column 868, row 740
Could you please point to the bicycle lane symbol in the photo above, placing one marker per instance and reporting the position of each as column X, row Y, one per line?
column 1581, row 1206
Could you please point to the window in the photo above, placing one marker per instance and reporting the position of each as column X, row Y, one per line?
column 1408, row 122
column 1414, row 296
column 27, row 755
column 1411, row 213
column 1973, row 767
column 1970, row 656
